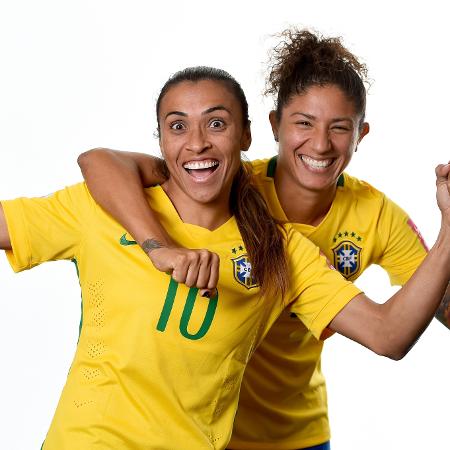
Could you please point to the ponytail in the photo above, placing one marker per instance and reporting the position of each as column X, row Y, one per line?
column 262, row 235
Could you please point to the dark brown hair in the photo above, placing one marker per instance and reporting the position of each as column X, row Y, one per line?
column 262, row 236
column 303, row 59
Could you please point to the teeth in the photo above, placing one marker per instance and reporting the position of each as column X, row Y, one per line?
column 193, row 165
column 315, row 163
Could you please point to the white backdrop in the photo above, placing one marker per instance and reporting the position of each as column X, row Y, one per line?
column 80, row 74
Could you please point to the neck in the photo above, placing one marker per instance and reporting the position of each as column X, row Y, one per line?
column 209, row 215
column 310, row 207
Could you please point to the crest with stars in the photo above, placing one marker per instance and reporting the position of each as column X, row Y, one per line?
column 242, row 270
column 347, row 255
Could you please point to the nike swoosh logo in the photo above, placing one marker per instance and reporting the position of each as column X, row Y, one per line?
column 125, row 241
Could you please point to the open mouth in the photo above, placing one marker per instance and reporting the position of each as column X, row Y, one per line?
column 201, row 170
column 316, row 164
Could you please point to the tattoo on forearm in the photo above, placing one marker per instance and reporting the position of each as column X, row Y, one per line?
column 151, row 244
column 443, row 312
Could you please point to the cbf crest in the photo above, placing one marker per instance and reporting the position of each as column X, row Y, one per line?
column 347, row 258
column 242, row 269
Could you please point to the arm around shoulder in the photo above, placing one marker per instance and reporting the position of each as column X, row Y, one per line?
column 116, row 180
column 102, row 163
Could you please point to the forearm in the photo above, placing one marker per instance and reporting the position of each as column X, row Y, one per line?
column 443, row 312
column 406, row 315
column 392, row 328
column 115, row 180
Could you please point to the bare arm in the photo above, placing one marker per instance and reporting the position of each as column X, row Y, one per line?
column 392, row 328
column 443, row 312
column 128, row 173
column 5, row 242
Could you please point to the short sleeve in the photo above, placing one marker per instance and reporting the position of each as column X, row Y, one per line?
column 403, row 248
column 319, row 291
column 48, row 228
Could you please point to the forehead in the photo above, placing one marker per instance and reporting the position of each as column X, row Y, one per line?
column 197, row 96
column 327, row 100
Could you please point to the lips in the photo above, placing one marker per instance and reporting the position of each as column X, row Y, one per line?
column 200, row 170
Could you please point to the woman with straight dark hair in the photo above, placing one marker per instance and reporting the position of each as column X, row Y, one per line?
column 157, row 365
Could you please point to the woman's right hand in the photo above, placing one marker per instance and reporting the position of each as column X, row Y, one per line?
column 193, row 267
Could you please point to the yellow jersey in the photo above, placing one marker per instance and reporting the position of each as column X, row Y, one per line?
column 156, row 365
column 283, row 400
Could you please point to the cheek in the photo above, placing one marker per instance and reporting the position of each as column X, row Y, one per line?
column 230, row 146
column 290, row 141
column 168, row 150
column 293, row 135
column 345, row 145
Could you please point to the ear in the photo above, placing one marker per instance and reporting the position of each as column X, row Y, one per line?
column 274, row 123
column 246, row 138
column 365, row 128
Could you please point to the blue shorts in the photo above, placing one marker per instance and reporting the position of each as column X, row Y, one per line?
column 325, row 446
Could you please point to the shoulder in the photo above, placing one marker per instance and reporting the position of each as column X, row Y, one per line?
column 360, row 195
column 77, row 192
column 356, row 187
column 296, row 243
column 76, row 198
column 159, row 200
column 262, row 168
column 68, row 197
column 366, row 199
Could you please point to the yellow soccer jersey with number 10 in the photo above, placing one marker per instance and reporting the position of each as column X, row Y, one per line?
column 156, row 366
column 283, row 402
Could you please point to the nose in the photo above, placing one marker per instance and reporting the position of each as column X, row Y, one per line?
column 320, row 141
column 197, row 140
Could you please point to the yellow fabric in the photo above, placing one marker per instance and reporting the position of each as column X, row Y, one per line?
column 283, row 400
column 148, row 373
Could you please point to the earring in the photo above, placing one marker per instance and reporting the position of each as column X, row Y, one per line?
column 275, row 137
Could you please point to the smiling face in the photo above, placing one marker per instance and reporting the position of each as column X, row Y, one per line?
column 201, row 137
column 318, row 132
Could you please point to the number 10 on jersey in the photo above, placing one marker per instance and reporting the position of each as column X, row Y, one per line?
column 187, row 312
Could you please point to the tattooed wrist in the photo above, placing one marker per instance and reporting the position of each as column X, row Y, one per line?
column 151, row 244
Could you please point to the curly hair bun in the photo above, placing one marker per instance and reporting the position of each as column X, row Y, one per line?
column 303, row 59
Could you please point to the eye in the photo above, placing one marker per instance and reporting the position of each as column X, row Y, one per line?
column 216, row 123
column 341, row 128
column 303, row 123
column 177, row 126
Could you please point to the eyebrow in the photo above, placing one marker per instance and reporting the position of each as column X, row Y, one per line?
column 207, row 111
column 311, row 117
column 216, row 108
column 176, row 113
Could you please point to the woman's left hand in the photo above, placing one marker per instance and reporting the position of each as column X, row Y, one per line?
column 443, row 191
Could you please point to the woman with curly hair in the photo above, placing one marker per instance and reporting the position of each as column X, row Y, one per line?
column 318, row 122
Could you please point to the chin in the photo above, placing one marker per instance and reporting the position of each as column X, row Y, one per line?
column 203, row 198
column 317, row 185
